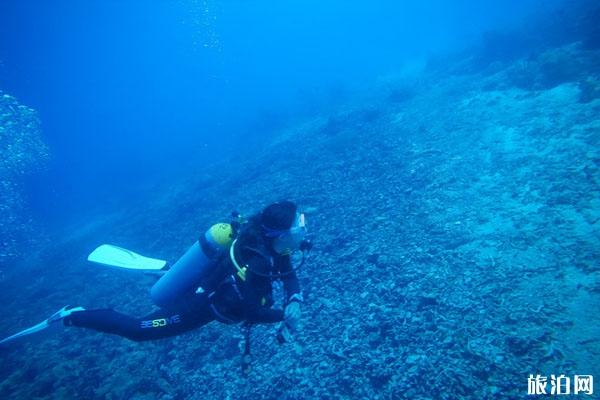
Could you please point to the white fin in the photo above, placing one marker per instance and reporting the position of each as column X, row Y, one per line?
column 48, row 326
column 115, row 256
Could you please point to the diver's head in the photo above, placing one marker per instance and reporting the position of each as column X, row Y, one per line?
column 284, row 226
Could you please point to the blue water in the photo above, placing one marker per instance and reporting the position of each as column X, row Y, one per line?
column 127, row 91
column 446, row 153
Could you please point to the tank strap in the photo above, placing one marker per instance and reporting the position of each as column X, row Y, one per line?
column 261, row 254
column 220, row 316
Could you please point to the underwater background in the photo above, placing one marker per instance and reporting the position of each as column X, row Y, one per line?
column 446, row 154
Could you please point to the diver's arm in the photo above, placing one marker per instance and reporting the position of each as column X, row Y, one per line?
column 293, row 299
column 254, row 290
column 255, row 312
column 289, row 279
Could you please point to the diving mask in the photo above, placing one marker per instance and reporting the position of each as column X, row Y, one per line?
column 289, row 240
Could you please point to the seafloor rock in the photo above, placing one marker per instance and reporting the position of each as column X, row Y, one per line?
column 554, row 67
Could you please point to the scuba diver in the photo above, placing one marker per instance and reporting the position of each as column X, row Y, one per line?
column 226, row 276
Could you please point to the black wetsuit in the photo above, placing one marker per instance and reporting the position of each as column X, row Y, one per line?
column 229, row 299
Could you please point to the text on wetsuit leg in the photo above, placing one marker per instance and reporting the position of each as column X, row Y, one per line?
column 157, row 323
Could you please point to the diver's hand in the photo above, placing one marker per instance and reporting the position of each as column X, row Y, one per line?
column 291, row 315
column 291, row 319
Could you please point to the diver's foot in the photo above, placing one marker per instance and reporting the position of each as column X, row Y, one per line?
column 63, row 313
column 52, row 321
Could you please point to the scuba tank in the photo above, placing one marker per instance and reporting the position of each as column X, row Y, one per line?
column 186, row 275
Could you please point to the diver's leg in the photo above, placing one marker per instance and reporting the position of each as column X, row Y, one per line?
column 157, row 325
